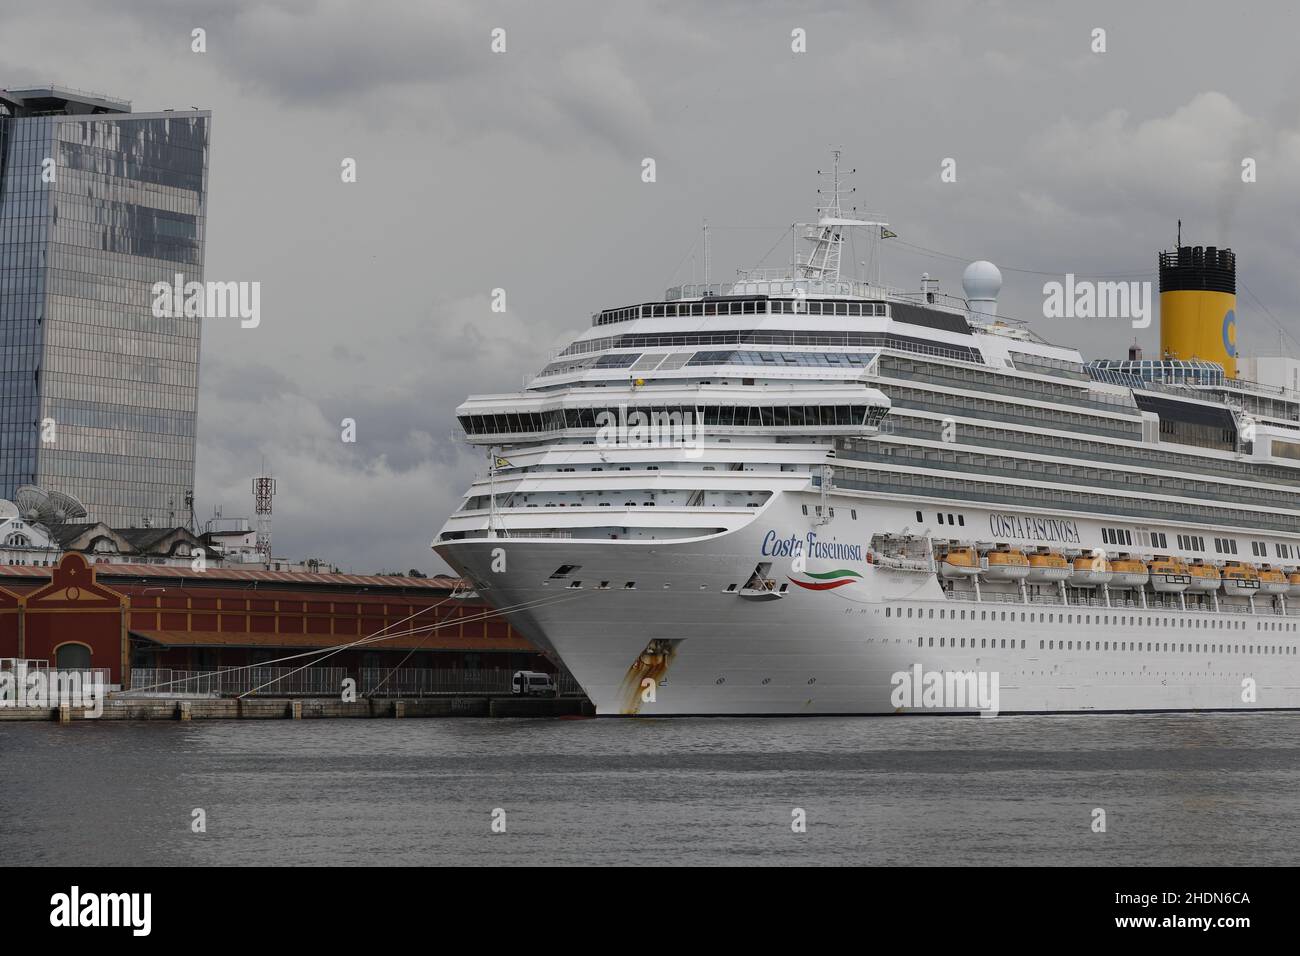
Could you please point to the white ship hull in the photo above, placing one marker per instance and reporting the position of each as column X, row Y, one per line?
column 839, row 650
column 653, row 491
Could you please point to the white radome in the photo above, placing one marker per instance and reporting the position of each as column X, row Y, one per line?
column 982, row 280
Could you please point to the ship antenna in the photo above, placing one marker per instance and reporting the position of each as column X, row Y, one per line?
column 706, row 253
column 827, row 234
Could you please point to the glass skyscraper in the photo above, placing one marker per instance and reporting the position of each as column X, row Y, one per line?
column 98, row 397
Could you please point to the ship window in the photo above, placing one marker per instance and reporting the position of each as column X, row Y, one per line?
column 918, row 516
column 564, row 570
column 961, row 521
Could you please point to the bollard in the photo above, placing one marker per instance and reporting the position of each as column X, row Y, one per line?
column 183, row 710
column 295, row 710
column 65, row 713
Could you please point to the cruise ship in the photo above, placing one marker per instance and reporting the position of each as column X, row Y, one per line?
column 796, row 493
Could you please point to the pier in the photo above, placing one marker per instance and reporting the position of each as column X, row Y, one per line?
column 308, row 708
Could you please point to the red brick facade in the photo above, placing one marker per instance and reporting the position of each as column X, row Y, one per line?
column 156, row 616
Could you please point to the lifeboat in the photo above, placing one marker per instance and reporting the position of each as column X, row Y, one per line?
column 1006, row 565
column 1294, row 578
column 1205, row 577
column 1273, row 581
column 1049, row 567
column 1169, row 575
column 960, row 563
column 1129, row 573
column 1240, row 579
column 1089, row 572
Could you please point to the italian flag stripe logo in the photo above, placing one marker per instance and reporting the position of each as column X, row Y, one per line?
column 826, row 580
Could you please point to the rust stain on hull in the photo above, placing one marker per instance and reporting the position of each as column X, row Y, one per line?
column 653, row 663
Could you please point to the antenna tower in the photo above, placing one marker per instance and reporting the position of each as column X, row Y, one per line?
column 263, row 492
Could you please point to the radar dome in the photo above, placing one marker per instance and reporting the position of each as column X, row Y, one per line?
column 981, row 280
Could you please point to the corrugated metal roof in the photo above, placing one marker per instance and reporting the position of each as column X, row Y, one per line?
column 107, row 572
column 443, row 640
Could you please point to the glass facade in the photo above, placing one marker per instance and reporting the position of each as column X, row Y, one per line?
column 98, row 397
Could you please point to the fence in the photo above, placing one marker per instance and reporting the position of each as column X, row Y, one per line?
column 328, row 682
column 427, row 682
column 29, row 675
column 230, row 682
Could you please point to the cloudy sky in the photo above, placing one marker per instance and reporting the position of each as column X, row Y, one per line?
column 522, row 171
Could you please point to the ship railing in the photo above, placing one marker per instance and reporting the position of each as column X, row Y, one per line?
column 1074, row 599
column 1001, row 597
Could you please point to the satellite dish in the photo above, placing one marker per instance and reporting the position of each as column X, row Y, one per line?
column 30, row 501
column 50, row 508
column 8, row 510
column 64, row 507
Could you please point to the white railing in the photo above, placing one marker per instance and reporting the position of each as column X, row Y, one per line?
column 1152, row 603
column 328, row 682
column 431, row 682
column 234, row 681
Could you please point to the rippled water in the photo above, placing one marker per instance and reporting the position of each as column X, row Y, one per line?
column 1177, row 789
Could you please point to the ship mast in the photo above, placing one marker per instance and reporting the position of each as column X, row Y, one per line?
column 827, row 234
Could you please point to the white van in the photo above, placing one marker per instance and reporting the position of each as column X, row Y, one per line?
column 533, row 682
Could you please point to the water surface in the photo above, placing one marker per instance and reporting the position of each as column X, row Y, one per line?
column 1177, row 789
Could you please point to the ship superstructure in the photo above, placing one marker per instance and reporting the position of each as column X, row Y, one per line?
column 775, row 495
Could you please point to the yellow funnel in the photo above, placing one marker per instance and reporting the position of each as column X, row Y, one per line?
column 1198, row 306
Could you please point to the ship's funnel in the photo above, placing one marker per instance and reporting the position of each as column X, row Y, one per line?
column 1198, row 306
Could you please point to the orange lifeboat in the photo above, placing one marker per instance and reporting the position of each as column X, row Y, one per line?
column 1089, row 571
column 1273, row 581
column 1169, row 575
column 1294, row 579
column 1129, row 572
column 960, row 563
column 1205, row 577
column 1006, row 564
column 1049, row 567
column 1239, row 578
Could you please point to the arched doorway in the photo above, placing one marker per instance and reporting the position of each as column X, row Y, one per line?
column 72, row 657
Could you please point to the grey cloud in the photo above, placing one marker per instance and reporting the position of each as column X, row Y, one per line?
column 522, row 171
